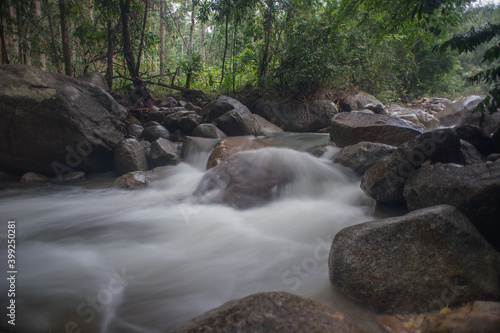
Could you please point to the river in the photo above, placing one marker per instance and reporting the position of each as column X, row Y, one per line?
column 94, row 258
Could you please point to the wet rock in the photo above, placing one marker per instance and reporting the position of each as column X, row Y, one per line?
column 363, row 155
column 230, row 146
column 220, row 106
column 348, row 128
column 449, row 116
column 385, row 180
column 242, row 122
column 268, row 313
column 140, row 179
column 359, row 101
column 470, row 153
column 151, row 123
column 473, row 322
column 49, row 119
column 189, row 122
column 296, row 116
column 416, row 116
column 153, row 133
column 135, row 130
column 33, row 177
column 208, row 130
column 246, row 179
column 164, row 152
column 477, row 137
column 75, row 176
column 473, row 189
column 193, row 146
column 130, row 155
column 422, row 261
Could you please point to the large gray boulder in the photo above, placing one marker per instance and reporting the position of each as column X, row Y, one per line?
column 54, row 124
column 164, row 152
column 452, row 112
column 295, row 116
column 490, row 123
column 385, row 180
column 95, row 78
column 349, row 128
column 358, row 102
column 130, row 155
column 473, row 189
column 270, row 312
column 419, row 262
column 362, row 156
column 208, row 130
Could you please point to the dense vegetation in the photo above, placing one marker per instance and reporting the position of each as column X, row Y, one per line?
column 284, row 47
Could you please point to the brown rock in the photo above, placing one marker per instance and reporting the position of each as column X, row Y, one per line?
column 230, row 146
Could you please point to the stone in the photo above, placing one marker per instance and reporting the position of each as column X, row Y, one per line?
column 473, row 322
column 208, row 130
column 348, row 128
column 470, row 153
column 450, row 115
column 473, row 189
column 164, row 152
column 95, row 78
column 422, row 261
column 489, row 124
column 189, row 122
column 297, row 116
column 54, row 124
column 359, row 101
column 241, row 122
column 230, row 146
column 386, row 179
column 153, row 133
column 168, row 102
column 247, row 179
column 477, row 137
column 33, row 177
column 362, row 156
column 219, row 106
column 376, row 108
column 140, row 179
column 270, row 312
column 135, row 130
column 130, row 155
column 75, row 176
column 496, row 139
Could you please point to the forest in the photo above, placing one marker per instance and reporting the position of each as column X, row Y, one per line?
column 286, row 48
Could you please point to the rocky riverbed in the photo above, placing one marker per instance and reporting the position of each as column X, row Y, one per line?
column 431, row 267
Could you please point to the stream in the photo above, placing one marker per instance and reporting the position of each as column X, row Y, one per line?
column 93, row 258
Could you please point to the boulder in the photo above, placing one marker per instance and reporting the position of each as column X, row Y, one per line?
column 230, row 146
column 451, row 113
column 416, row 116
column 362, row 156
column 422, row 261
column 140, row 179
column 135, row 130
column 270, row 312
column 385, row 180
column 153, row 133
column 53, row 123
column 208, row 130
column 470, row 153
column 240, row 122
column 130, row 155
column 33, row 177
column 496, row 140
column 489, row 124
column 477, row 137
column 359, row 102
column 473, row 189
column 95, row 78
column 168, row 102
column 189, row 122
column 246, row 179
column 348, row 128
column 295, row 116
column 219, row 106
column 164, row 152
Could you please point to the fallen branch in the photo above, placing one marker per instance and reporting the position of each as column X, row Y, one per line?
column 170, row 86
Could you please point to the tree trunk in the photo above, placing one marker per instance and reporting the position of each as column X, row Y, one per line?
column 109, row 69
column 68, row 69
column 3, row 42
column 268, row 24
column 15, row 36
column 162, row 38
column 225, row 51
column 39, row 14
column 190, row 47
column 141, row 44
column 52, row 36
column 127, row 42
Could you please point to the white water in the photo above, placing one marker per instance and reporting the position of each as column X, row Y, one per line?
column 109, row 260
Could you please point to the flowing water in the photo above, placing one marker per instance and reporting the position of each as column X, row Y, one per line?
column 100, row 259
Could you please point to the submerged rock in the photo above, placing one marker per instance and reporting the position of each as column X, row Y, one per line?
column 473, row 189
column 422, row 261
column 54, row 124
column 268, row 313
column 230, row 146
column 140, row 179
column 348, row 128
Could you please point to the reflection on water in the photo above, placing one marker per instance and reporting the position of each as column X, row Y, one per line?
column 109, row 260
